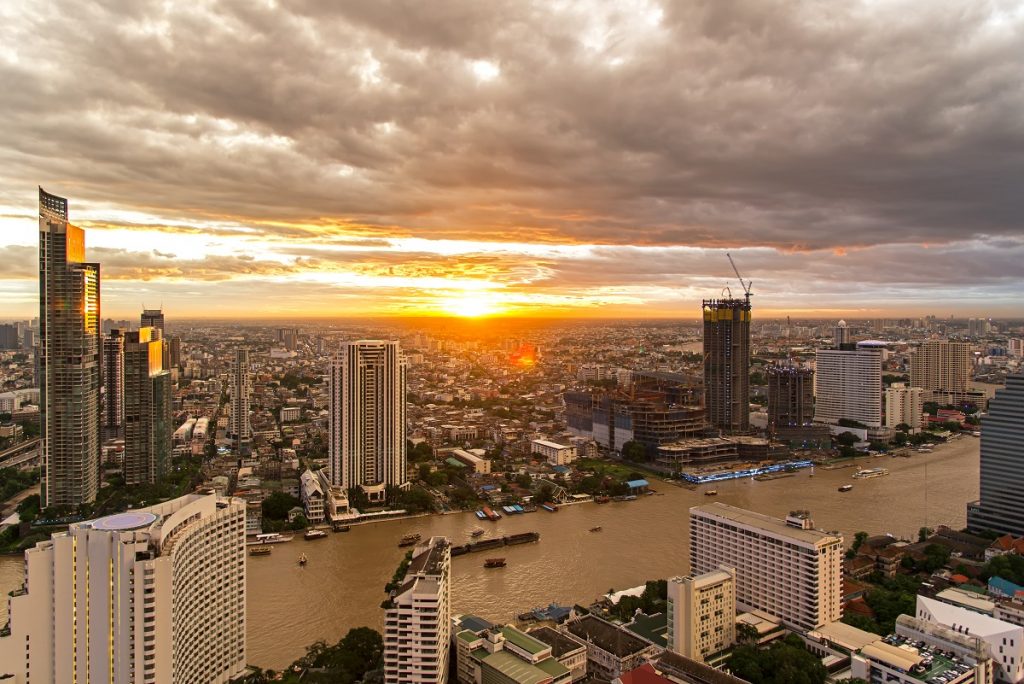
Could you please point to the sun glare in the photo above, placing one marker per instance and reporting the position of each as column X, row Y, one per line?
column 472, row 305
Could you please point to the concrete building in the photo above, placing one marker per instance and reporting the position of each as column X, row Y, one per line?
column 611, row 650
column 417, row 618
column 942, row 369
column 567, row 649
column 147, row 408
column 783, row 567
column 848, row 385
column 152, row 318
column 133, row 597
column 727, row 363
column 1002, row 477
column 790, row 397
column 9, row 338
column 553, row 452
column 904, row 405
column 366, row 436
column 239, row 425
column 506, row 655
column 1005, row 641
column 842, row 335
column 290, row 413
column 113, row 384
column 313, row 497
column 69, row 358
column 480, row 465
column 702, row 613
column 1015, row 347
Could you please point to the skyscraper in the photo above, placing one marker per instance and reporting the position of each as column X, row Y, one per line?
column 113, row 384
column 147, row 408
column 790, row 396
column 849, row 386
column 151, row 595
column 841, row 335
column 367, row 415
column 1002, row 463
column 942, row 369
column 152, row 318
column 727, row 363
column 69, row 358
column 239, row 427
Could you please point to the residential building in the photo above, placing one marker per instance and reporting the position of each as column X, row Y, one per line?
column 611, row 650
column 785, row 568
column 132, row 597
column 842, row 335
column 69, row 358
column 1005, row 641
column 479, row 464
column 790, row 396
column 366, row 436
column 1015, row 347
column 904, row 406
column 848, row 386
column 313, row 497
column 239, row 425
column 702, row 613
column 9, row 336
column 553, row 452
column 290, row 413
column 1002, row 478
column 417, row 618
column 942, row 369
column 727, row 363
column 147, row 407
column 113, row 384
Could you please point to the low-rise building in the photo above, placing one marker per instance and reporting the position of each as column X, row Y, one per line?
column 1005, row 641
column 553, row 452
column 610, row 649
column 313, row 497
column 567, row 649
column 480, row 466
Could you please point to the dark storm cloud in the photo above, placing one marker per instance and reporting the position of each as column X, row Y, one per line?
column 795, row 125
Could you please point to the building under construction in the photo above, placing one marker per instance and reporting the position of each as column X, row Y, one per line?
column 727, row 363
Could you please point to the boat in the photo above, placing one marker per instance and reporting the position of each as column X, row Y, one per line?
column 302, row 559
column 494, row 563
column 269, row 538
column 549, row 508
column 491, row 515
column 314, row 534
column 595, row 529
column 521, row 538
column 711, row 492
column 408, row 540
column 870, row 472
column 603, row 499
column 343, row 528
column 481, row 515
column 846, row 488
column 476, row 533
column 261, row 550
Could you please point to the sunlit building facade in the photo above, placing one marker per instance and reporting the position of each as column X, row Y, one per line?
column 147, row 407
column 727, row 363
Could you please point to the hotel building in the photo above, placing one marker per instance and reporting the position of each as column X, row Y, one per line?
column 702, row 613
column 783, row 567
column 848, row 384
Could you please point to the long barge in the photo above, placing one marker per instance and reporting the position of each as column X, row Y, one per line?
column 496, row 542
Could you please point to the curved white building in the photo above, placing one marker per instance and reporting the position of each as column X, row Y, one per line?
column 152, row 595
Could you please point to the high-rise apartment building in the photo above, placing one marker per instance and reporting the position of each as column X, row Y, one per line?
column 790, row 396
column 113, row 384
column 942, row 369
column 783, row 567
column 239, row 426
column 1002, row 475
column 69, row 358
column 727, row 363
column 702, row 613
column 904, row 406
column 848, row 385
column 842, row 334
column 9, row 338
column 147, row 407
column 152, row 318
column 417, row 618
column 1015, row 347
column 367, row 415
column 151, row 595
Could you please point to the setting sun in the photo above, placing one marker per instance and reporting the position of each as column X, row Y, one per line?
column 473, row 305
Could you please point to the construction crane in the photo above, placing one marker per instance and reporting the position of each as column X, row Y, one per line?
column 746, row 285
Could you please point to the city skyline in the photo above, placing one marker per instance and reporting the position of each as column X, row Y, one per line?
column 591, row 161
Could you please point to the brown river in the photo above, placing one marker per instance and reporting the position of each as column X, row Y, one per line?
column 342, row 585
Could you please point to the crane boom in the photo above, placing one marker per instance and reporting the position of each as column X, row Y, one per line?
column 745, row 285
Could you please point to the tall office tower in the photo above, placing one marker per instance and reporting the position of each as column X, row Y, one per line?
column 842, row 335
column 175, row 353
column 727, row 363
column 152, row 318
column 28, row 338
column 904, row 406
column 790, row 396
column 239, row 427
column 1002, row 458
column 785, row 568
column 849, row 385
column 113, row 384
column 702, row 613
column 151, row 595
column 9, row 336
column 69, row 358
column 942, row 369
column 417, row 618
column 147, row 408
column 367, row 415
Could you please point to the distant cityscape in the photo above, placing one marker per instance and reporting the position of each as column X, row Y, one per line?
column 149, row 464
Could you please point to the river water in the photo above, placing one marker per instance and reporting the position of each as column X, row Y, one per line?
column 290, row 606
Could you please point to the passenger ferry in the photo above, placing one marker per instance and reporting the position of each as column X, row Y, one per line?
column 261, row 550
column 408, row 540
column 314, row 534
column 870, row 472
column 269, row 538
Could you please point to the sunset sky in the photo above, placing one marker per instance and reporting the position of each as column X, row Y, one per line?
column 267, row 158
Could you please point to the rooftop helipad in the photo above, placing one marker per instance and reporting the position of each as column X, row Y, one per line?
column 129, row 520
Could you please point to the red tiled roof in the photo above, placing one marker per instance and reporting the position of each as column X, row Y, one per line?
column 645, row 674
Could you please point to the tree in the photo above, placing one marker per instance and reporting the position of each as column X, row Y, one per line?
column 846, row 439
column 544, row 494
column 524, row 480
column 786, row 661
column 924, row 533
column 746, row 634
column 634, row 451
column 858, row 541
column 1009, row 566
column 936, row 556
column 277, row 505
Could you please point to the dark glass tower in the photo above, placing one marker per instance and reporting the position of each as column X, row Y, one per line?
column 147, row 408
column 1002, row 463
column 727, row 363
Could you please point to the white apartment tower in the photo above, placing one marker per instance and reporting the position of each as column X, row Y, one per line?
column 848, row 384
column 702, row 613
column 367, row 415
column 417, row 618
column 783, row 567
column 841, row 334
column 904, row 405
column 239, row 427
column 155, row 595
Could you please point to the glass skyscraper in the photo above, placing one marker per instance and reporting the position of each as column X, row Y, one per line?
column 1002, row 463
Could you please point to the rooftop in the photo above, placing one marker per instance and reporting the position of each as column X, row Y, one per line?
column 120, row 522
column 512, row 667
column 692, row 671
column 523, row 640
column 763, row 522
column 559, row 642
column 606, row 636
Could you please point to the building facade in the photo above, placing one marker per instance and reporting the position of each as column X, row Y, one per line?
column 553, row 452
column 904, row 406
column 790, row 396
column 366, row 436
column 848, row 385
column 727, row 363
column 1005, row 641
column 417, row 618
column 113, row 384
column 702, row 613
column 941, row 368
column 69, row 358
column 132, row 597
column 783, row 567
column 1002, row 477
column 239, row 425
column 148, row 397
column 842, row 334
column 152, row 318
